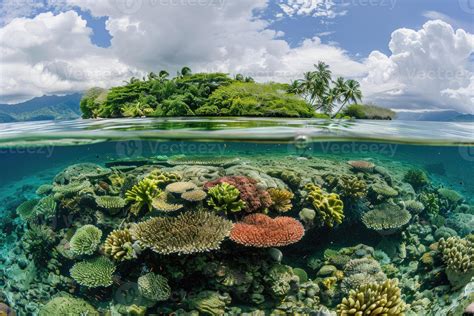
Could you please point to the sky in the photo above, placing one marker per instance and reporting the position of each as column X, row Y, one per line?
column 407, row 54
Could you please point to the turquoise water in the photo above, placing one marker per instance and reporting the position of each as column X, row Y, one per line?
column 386, row 205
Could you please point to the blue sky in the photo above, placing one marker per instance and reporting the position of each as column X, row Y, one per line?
column 406, row 53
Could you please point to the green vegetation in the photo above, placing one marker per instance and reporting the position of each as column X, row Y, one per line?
column 368, row 112
column 217, row 94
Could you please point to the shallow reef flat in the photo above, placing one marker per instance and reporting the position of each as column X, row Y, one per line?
column 238, row 235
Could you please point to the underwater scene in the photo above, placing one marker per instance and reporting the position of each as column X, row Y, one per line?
column 236, row 217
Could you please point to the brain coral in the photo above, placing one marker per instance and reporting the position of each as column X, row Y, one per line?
column 189, row 232
column 154, row 287
column 67, row 305
column 386, row 218
column 96, row 272
column 281, row 199
column 255, row 198
column 85, row 240
column 328, row 207
column 373, row 299
column 260, row 230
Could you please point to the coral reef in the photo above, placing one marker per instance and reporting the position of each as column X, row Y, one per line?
column 194, row 195
column 67, row 305
column 362, row 165
column 225, row 198
column 458, row 255
column 328, row 207
column 386, row 218
column 281, row 199
column 110, row 202
column 206, row 161
column 142, row 195
column 417, row 178
column 95, row 272
column 183, row 234
column 119, row 245
column 259, row 230
column 373, row 299
column 86, row 240
column 154, row 287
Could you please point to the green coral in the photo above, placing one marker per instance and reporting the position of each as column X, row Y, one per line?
column 67, row 305
column 431, row 202
column 163, row 178
column 142, row 195
column 26, row 209
column 154, row 287
column 71, row 188
column 414, row 206
column 349, row 187
column 328, row 207
column 46, row 207
column 39, row 242
column 44, row 189
column 95, row 272
column 386, row 218
column 417, row 178
column 209, row 303
column 452, row 196
column 373, row 299
column 225, row 198
column 86, row 240
column 110, row 202
column 280, row 279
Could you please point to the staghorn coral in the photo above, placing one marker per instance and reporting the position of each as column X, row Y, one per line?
column 259, row 230
column 417, row 178
column 386, row 218
column 349, row 187
column 361, row 165
column 85, row 240
column 180, row 187
column 96, row 272
column 154, row 287
column 194, row 195
column 189, row 232
column 26, row 209
column 255, row 198
column 162, row 204
column 110, row 202
column 225, row 198
column 119, row 245
column 281, row 199
column 458, row 255
column 67, row 305
column 373, row 299
column 204, row 161
column 328, row 207
column 142, row 195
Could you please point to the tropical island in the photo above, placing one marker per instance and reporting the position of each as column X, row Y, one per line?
column 315, row 95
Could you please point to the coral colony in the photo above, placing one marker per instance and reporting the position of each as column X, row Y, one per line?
column 256, row 236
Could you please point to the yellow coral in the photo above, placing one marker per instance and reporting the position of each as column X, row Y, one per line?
column 329, row 207
column 118, row 245
column 281, row 199
column 329, row 282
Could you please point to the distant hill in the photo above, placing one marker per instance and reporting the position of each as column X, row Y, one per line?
column 42, row 108
column 441, row 116
column 463, row 118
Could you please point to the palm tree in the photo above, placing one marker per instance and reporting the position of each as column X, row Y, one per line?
column 185, row 71
column 163, row 75
column 350, row 92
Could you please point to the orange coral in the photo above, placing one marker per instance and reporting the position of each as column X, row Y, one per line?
column 260, row 230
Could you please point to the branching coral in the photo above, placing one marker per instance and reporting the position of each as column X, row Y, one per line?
column 96, row 272
column 431, row 202
column 225, row 198
column 281, row 199
column 259, row 230
column 118, row 245
column 67, row 305
column 458, row 255
column 187, row 233
column 110, row 202
column 154, row 287
column 386, row 218
column 86, row 240
column 328, row 207
column 349, row 187
column 142, row 195
column 373, row 299
column 255, row 198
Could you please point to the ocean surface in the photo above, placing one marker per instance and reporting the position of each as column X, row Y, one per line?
column 236, row 216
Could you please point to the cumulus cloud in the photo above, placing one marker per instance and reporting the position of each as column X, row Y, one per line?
column 427, row 68
column 319, row 8
column 53, row 53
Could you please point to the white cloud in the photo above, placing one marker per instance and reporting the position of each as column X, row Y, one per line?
column 427, row 68
column 319, row 8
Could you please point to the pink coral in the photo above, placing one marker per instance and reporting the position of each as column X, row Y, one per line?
column 254, row 197
column 260, row 230
column 361, row 165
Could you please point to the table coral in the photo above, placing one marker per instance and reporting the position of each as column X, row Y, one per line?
column 85, row 240
column 259, row 230
column 95, row 272
column 386, row 218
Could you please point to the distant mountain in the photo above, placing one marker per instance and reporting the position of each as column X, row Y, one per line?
column 42, row 108
column 442, row 116
column 464, row 118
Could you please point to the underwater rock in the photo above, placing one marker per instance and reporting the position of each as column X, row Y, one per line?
column 276, row 254
column 307, row 215
column 259, row 230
